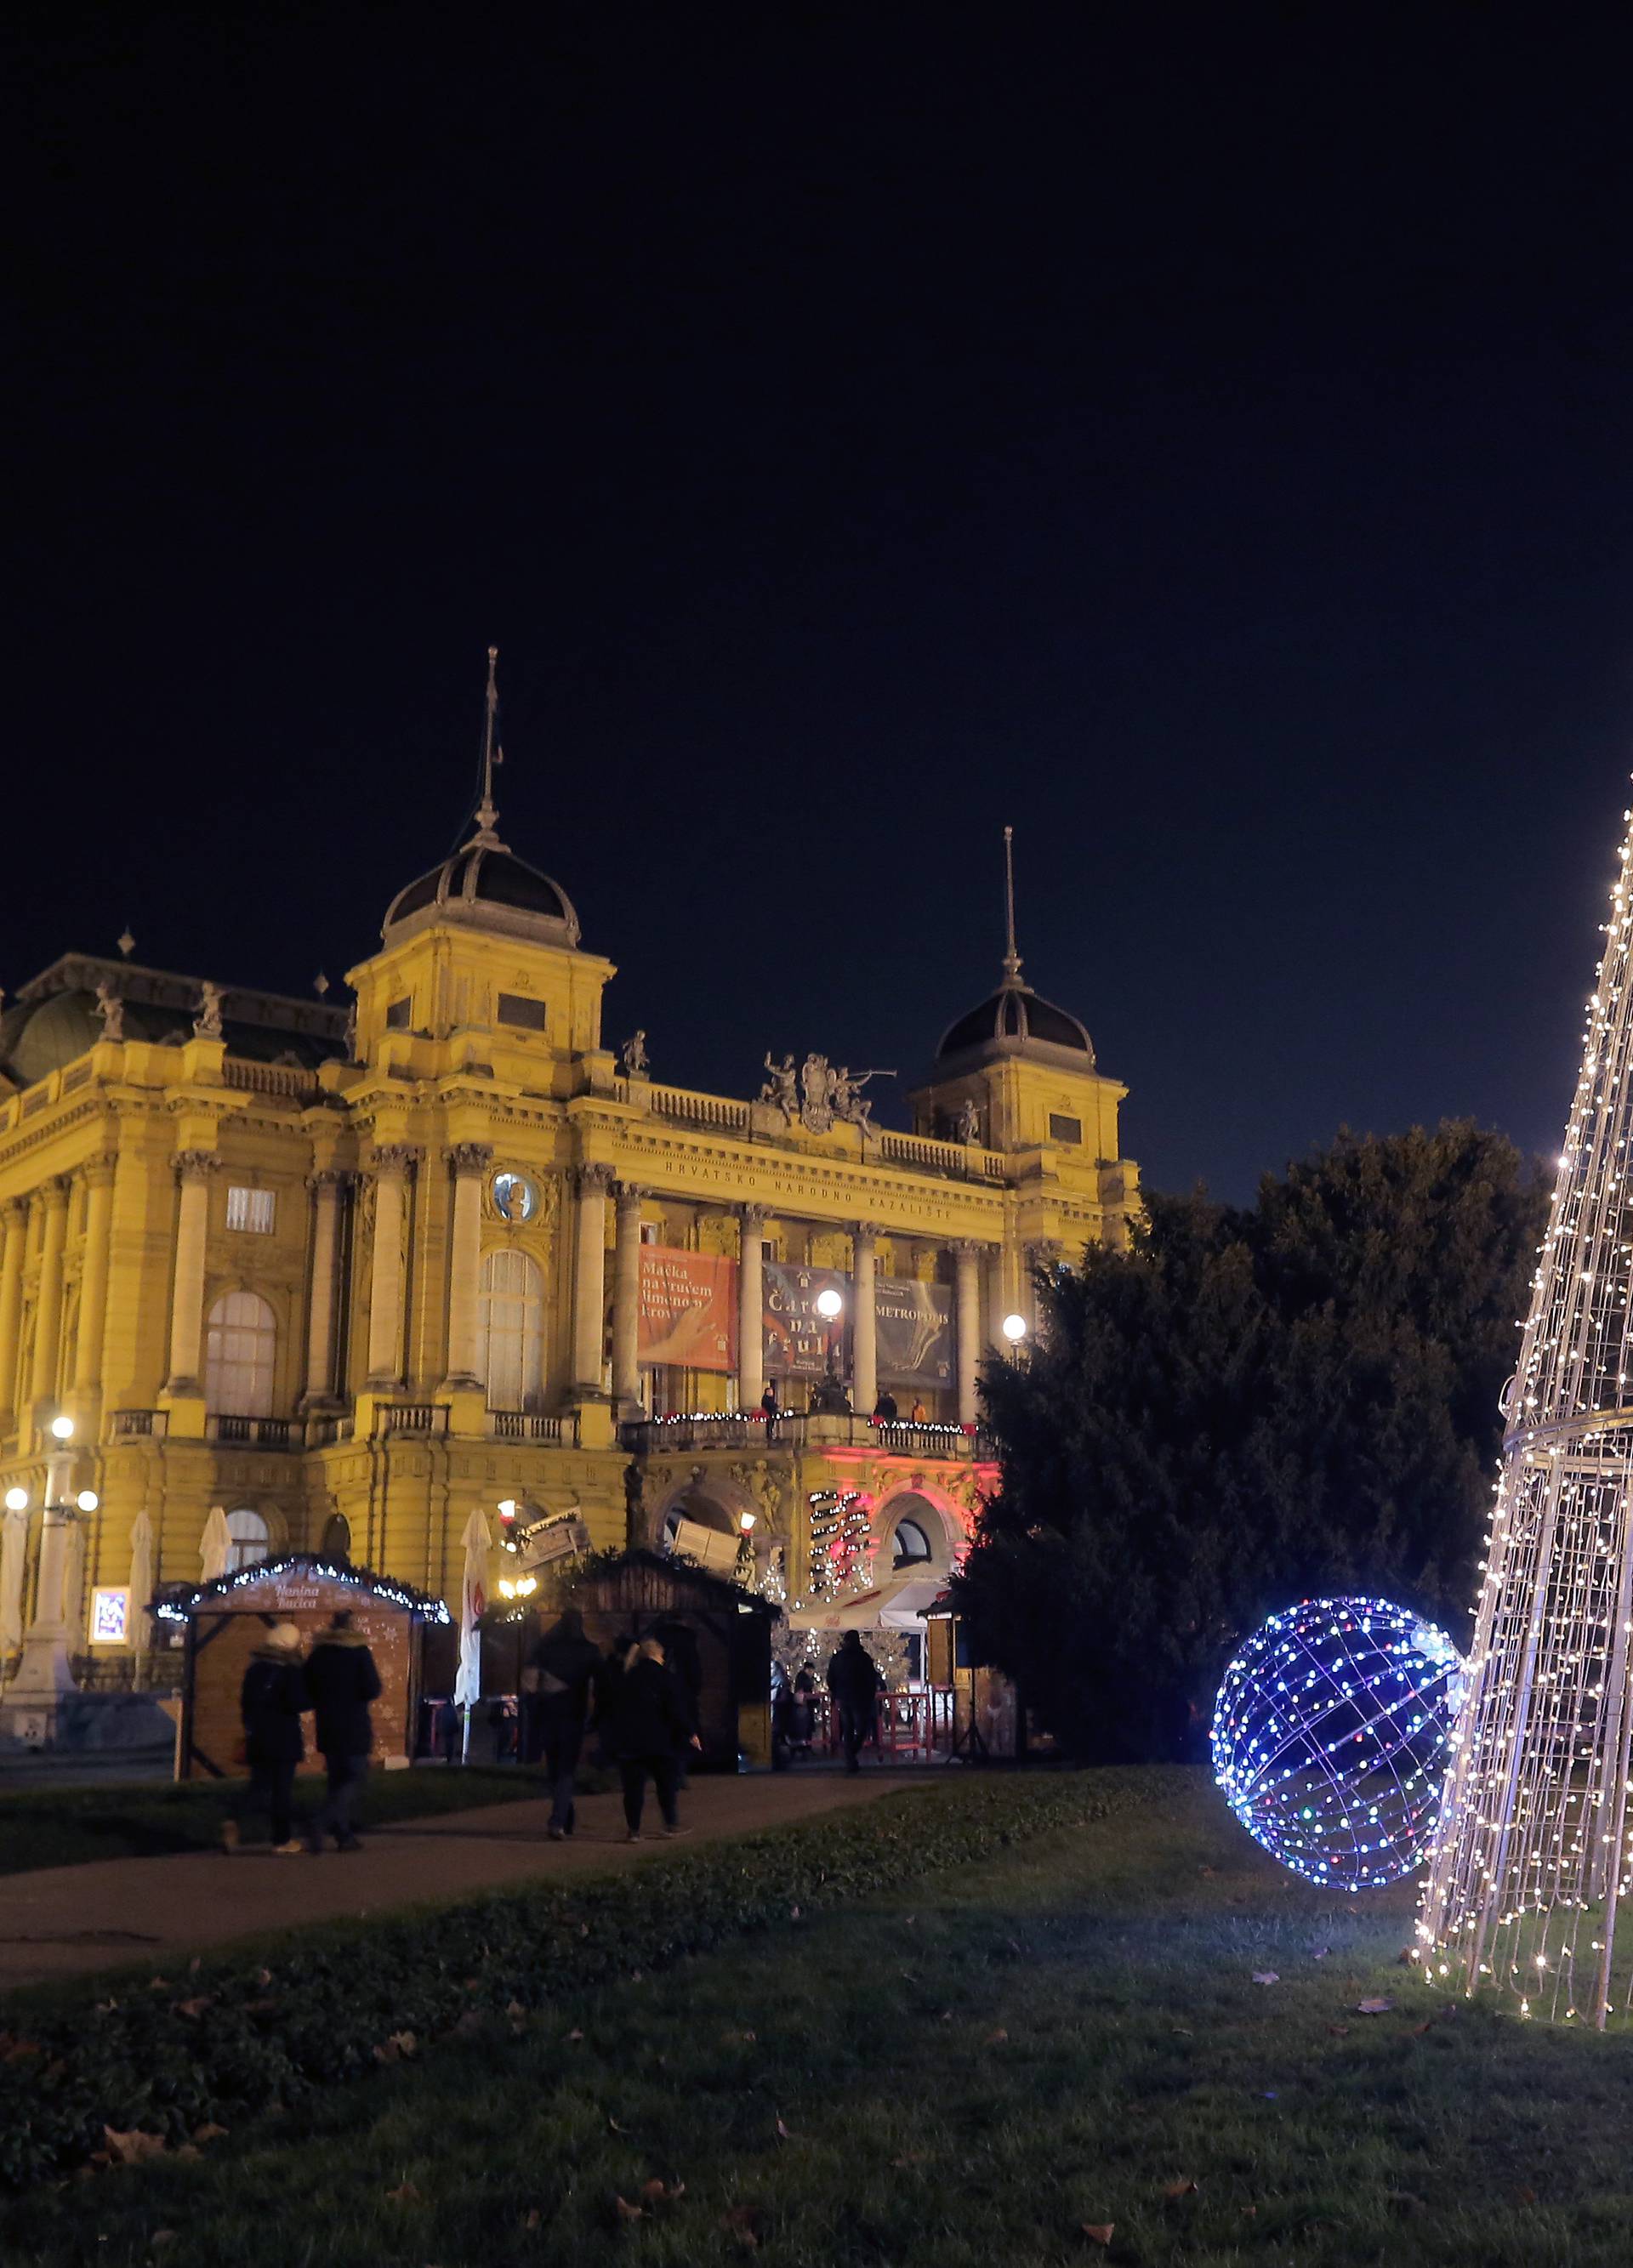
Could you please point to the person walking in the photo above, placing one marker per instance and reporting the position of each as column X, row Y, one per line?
column 341, row 1679
column 649, row 1727
column 270, row 1700
column 854, row 1680
column 564, row 1665
column 684, row 1664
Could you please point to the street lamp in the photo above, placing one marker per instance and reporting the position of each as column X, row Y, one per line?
column 43, row 1673
column 62, row 1427
column 1015, row 1328
column 830, row 1304
column 17, row 1500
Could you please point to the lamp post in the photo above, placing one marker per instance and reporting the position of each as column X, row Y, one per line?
column 1015, row 1328
column 43, row 1673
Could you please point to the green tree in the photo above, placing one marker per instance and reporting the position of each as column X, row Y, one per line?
column 1252, row 1406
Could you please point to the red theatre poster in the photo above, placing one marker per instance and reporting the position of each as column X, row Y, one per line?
column 688, row 1309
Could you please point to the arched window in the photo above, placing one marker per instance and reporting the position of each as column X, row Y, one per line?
column 251, row 1539
column 513, row 1331
column 240, row 1356
column 912, row 1546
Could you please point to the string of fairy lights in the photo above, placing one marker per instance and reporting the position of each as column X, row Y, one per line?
column 180, row 1605
column 1531, row 1860
column 839, row 1528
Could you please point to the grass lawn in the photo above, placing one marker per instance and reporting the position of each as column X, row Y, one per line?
column 978, row 2071
column 140, row 1819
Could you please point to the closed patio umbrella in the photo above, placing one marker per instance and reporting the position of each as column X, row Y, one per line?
column 216, row 1548
column 472, row 1600
column 141, row 1629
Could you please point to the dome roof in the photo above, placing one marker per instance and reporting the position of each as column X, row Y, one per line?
column 489, row 887
column 1015, row 1021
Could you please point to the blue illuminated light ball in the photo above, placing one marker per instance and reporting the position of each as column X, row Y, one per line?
column 1331, row 1735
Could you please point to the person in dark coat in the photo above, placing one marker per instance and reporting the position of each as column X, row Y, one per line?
column 854, row 1680
column 684, row 1663
column 270, row 1700
column 565, row 1666
column 793, row 1720
column 648, row 1727
column 341, row 1679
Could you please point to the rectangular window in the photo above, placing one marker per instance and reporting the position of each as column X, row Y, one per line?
column 1065, row 1130
column 528, row 1014
column 254, row 1210
column 398, row 1013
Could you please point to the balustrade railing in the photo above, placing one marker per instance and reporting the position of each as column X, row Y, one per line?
column 424, row 1418
column 251, row 1432
column 137, row 1425
column 803, row 1430
column 292, row 1080
column 525, row 1425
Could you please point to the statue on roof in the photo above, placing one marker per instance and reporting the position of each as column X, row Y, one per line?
column 782, row 1088
column 111, row 1009
column 207, row 1023
column 634, row 1057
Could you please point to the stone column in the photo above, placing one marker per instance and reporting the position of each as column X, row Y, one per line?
column 471, row 1161
column 864, row 1321
column 626, row 1299
column 328, row 1189
column 15, row 1217
column 967, row 1259
column 93, row 1279
column 43, row 1671
column 193, row 1170
column 394, row 1162
column 750, row 1307
column 589, row 1275
column 48, row 1305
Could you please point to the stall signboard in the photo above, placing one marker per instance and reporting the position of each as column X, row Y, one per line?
column 688, row 1309
column 914, row 1332
column 797, row 1339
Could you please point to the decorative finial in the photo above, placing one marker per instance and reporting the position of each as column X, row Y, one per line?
column 1011, row 959
column 319, row 984
column 487, row 816
column 127, row 943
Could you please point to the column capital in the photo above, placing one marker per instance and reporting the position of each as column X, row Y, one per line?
column 752, row 1217
column 593, row 1178
column 469, row 1157
column 195, row 1165
column 630, row 1196
column 1043, row 1252
column 968, row 1247
column 99, row 1171
column 55, row 1190
column 13, row 1213
column 396, row 1158
column 865, row 1231
column 334, row 1178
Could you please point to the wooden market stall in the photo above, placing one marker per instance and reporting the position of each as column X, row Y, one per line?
column 642, row 1594
column 228, row 1619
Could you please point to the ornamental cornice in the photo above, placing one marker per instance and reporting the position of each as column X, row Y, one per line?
column 339, row 1178
column 394, row 1159
column 195, row 1165
column 630, row 1195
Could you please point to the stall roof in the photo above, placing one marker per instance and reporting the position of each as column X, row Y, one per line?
column 179, row 1603
column 679, row 1571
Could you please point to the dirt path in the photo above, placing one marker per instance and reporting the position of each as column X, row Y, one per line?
column 65, row 1920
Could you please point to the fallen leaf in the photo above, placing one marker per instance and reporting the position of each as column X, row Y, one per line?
column 1208, row 1870
column 742, row 2223
column 1266, row 1977
column 194, row 1966
column 1098, row 2232
column 634, row 1976
column 616, row 2127
column 1013, row 1944
column 628, row 2211
column 1526, row 2196
column 472, row 1984
column 1320, row 1953
column 1339, row 2031
column 1184, row 2187
column 1182, row 2032
column 192, row 2008
column 258, row 2007
column 189, row 2150
column 575, row 2035
column 106, row 2007
column 209, row 2131
column 1248, row 2210
column 1404, row 2198
column 912, row 2158
column 657, row 2191
column 159, row 1983
column 584, row 1929
column 407, row 2195
column 793, row 1913
column 264, row 1976
column 531, row 2218
column 1418, row 2030
column 783, row 2135
column 19, row 2050
column 162, row 2236
column 130, row 2149
column 469, row 2025
column 996, row 2039
column 1372, row 2008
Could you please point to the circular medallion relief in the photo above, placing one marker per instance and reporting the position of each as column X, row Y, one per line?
column 515, row 1196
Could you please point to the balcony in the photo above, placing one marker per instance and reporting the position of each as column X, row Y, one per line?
column 137, row 1425
column 429, row 1420
column 252, row 1432
column 526, row 1426
column 803, row 1430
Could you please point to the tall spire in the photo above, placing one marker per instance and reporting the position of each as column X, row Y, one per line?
column 1011, row 959
column 487, row 815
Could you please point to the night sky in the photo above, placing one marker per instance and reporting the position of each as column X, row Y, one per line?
column 1201, row 438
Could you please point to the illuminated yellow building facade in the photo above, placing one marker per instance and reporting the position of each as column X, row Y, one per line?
column 307, row 1279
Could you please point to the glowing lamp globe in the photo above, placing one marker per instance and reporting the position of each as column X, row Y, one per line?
column 1331, row 1735
column 829, row 1303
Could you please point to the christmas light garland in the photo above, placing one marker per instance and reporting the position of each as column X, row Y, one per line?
column 174, row 1609
column 1331, row 1737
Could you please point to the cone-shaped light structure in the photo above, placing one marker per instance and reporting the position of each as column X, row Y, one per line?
column 1531, row 1860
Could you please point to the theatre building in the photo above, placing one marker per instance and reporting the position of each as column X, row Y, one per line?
column 301, row 1277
